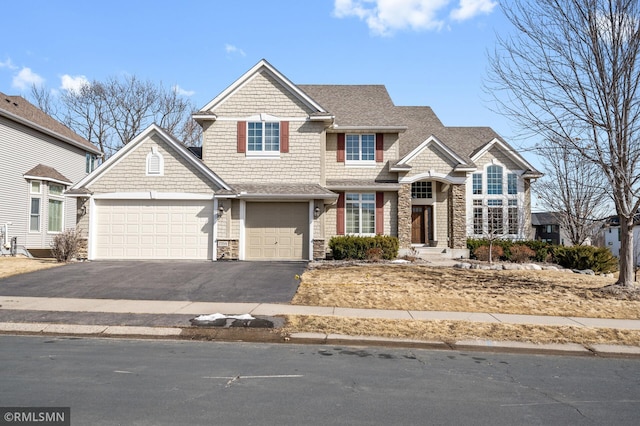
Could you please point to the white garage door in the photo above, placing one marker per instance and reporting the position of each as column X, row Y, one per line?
column 277, row 231
column 154, row 229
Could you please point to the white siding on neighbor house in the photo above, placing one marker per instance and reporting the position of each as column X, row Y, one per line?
column 21, row 149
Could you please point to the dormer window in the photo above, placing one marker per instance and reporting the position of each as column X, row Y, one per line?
column 155, row 163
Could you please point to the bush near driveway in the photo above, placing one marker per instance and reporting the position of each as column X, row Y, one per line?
column 364, row 248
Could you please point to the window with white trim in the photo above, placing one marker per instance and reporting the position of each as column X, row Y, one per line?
column 360, row 213
column 34, row 215
column 512, row 216
column 360, row 148
column 477, row 183
column 478, row 217
column 263, row 137
column 512, row 184
column 35, row 187
column 495, row 217
column 494, row 180
column 90, row 162
column 155, row 163
column 422, row 190
column 55, row 208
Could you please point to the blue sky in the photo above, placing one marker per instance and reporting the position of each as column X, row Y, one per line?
column 426, row 52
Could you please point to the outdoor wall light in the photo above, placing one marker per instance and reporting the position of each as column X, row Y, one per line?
column 316, row 212
column 220, row 210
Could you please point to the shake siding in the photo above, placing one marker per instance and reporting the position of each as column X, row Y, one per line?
column 431, row 158
column 262, row 94
column 300, row 165
column 497, row 154
column 129, row 175
column 21, row 149
column 336, row 170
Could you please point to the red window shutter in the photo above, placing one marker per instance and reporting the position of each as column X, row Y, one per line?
column 340, row 154
column 242, row 136
column 379, row 213
column 284, row 136
column 379, row 147
column 340, row 214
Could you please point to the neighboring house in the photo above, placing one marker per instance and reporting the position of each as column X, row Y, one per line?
column 610, row 233
column 285, row 167
column 39, row 159
column 546, row 227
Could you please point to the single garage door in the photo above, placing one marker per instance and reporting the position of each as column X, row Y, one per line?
column 277, row 231
column 154, row 229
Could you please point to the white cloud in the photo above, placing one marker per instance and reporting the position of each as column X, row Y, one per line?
column 26, row 78
column 8, row 64
column 387, row 16
column 182, row 92
column 73, row 84
column 470, row 8
column 229, row 48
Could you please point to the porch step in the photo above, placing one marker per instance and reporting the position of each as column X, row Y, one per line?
column 438, row 253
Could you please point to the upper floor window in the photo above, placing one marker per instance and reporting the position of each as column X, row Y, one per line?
column 477, row 183
column 155, row 163
column 361, row 147
column 512, row 184
column 422, row 190
column 263, row 137
column 494, row 180
column 90, row 162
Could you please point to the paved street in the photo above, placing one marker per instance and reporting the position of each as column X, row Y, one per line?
column 110, row 381
column 268, row 282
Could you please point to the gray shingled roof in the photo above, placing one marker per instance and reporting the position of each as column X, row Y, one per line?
column 47, row 173
column 20, row 107
column 371, row 105
column 354, row 105
column 545, row 218
column 285, row 190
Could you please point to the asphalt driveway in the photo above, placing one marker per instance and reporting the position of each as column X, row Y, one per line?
column 225, row 282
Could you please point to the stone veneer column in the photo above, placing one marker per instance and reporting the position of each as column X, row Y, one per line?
column 404, row 216
column 457, row 217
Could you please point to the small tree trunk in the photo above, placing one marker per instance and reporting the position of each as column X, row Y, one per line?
column 490, row 251
column 627, row 262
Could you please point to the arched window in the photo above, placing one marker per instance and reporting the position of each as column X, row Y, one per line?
column 494, row 180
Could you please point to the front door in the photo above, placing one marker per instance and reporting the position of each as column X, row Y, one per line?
column 421, row 224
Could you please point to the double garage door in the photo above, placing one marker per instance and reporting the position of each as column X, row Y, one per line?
column 154, row 229
column 174, row 229
column 277, row 231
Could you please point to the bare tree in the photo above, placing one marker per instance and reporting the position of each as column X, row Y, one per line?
column 570, row 74
column 113, row 112
column 574, row 190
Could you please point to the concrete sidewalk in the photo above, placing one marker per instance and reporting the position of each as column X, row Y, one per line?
column 115, row 317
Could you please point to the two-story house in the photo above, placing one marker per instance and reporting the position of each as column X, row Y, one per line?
column 285, row 167
column 39, row 160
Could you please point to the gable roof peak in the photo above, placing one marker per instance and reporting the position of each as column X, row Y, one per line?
column 262, row 66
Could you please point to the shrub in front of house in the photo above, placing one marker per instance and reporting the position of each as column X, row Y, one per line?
column 66, row 246
column 520, row 253
column 598, row 259
column 364, row 248
column 541, row 249
column 482, row 253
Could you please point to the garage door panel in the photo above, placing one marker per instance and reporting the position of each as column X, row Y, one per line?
column 277, row 231
column 154, row 229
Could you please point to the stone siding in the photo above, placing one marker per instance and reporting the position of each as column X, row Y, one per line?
column 228, row 250
column 319, row 250
column 404, row 216
column 457, row 217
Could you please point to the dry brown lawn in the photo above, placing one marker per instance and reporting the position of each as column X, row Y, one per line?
column 419, row 287
column 20, row 265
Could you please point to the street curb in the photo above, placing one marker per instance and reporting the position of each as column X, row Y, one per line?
column 265, row 335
